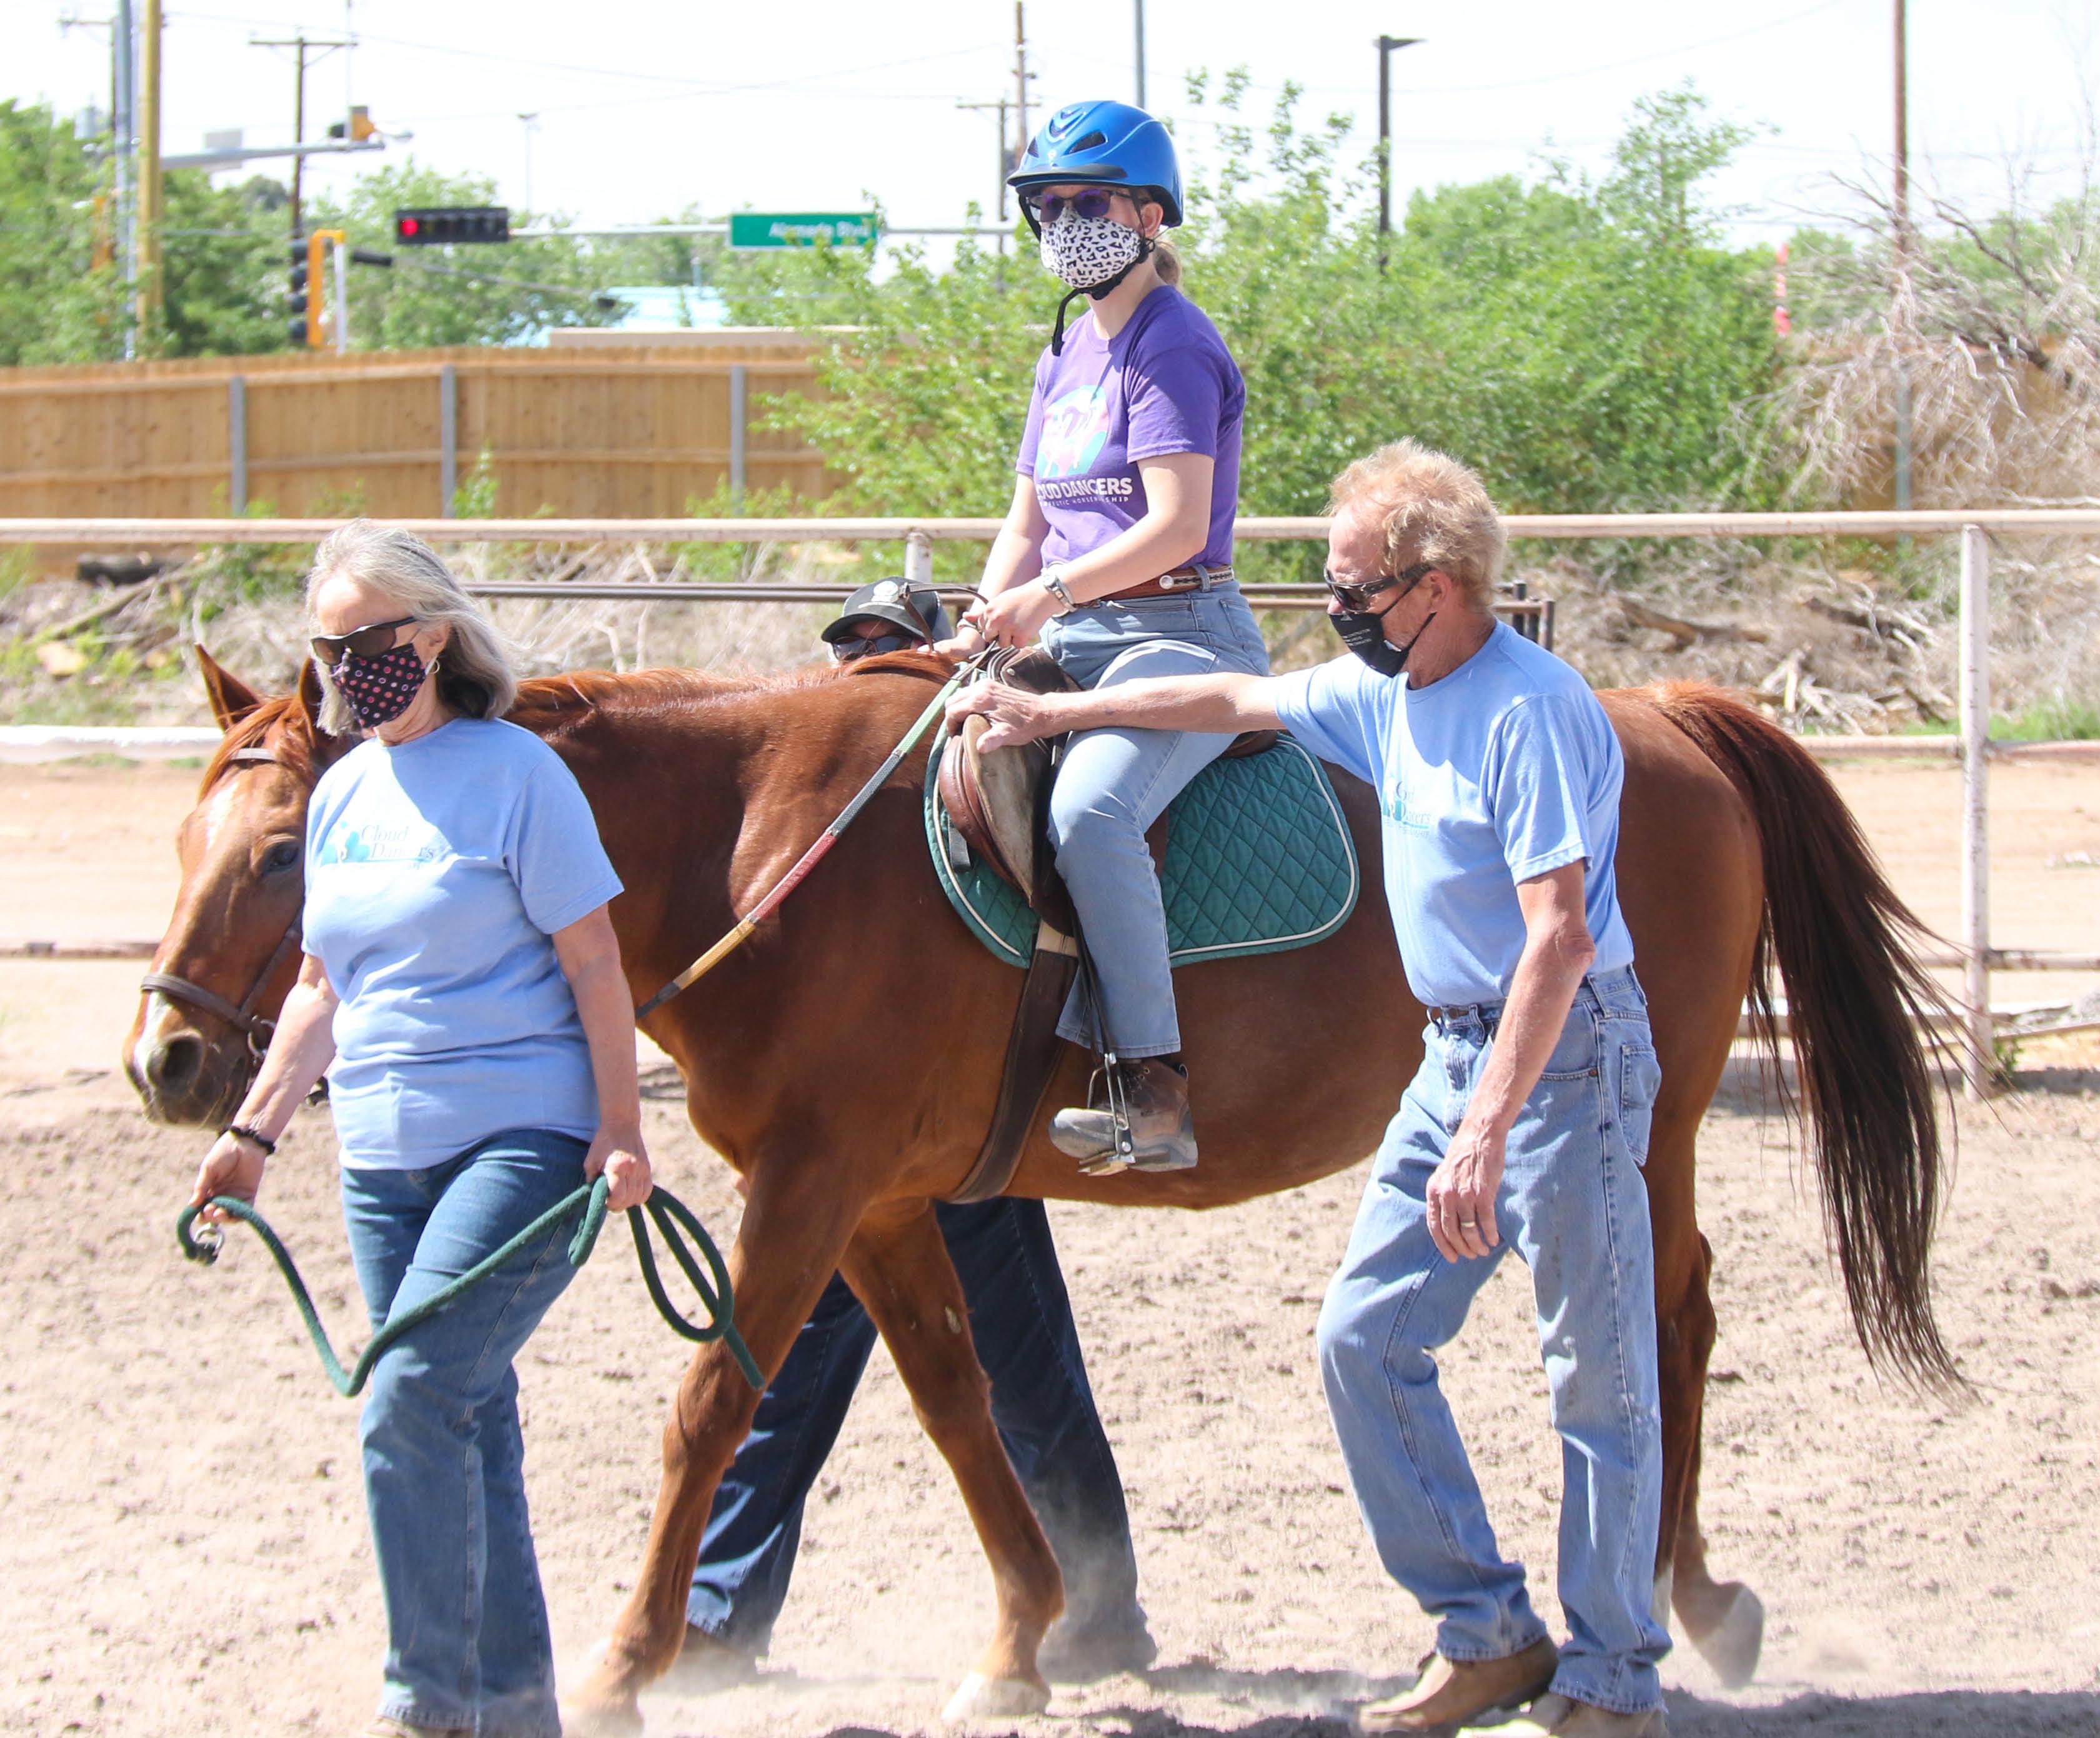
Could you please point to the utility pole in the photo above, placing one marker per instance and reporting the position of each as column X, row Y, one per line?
column 1005, row 165
column 531, row 123
column 298, row 45
column 1141, row 53
column 1899, row 323
column 124, row 136
column 1386, row 45
column 149, row 199
column 1020, row 81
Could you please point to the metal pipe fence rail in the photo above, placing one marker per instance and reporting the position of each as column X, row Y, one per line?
column 1973, row 526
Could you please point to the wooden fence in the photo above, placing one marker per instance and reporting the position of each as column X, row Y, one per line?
column 626, row 432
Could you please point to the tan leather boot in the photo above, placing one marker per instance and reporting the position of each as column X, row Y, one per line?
column 1557, row 1716
column 1450, row 1693
column 1162, row 1132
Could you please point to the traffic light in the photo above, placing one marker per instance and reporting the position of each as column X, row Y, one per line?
column 296, row 301
column 357, row 128
column 439, row 226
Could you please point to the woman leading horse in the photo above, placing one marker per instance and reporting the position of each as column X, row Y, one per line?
column 1117, row 549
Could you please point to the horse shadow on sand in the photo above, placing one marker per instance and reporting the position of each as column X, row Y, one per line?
column 1289, row 1704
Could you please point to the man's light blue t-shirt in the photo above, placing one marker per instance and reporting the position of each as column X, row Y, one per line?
column 1503, row 770
column 436, row 874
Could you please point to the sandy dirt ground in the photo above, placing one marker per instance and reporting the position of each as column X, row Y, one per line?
column 182, row 1546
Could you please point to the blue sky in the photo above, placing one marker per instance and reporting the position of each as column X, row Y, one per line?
column 647, row 106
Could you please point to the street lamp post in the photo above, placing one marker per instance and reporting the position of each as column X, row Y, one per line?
column 1386, row 45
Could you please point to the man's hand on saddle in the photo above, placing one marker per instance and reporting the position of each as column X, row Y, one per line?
column 1014, row 716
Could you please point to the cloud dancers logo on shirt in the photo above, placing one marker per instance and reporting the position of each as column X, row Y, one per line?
column 1075, row 428
column 395, row 844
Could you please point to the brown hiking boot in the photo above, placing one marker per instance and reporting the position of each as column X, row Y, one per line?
column 1451, row 1693
column 1557, row 1716
column 1162, row 1132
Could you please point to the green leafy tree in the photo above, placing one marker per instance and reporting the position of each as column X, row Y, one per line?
column 1586, row 347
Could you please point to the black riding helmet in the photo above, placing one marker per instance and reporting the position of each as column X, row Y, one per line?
column 912, row 607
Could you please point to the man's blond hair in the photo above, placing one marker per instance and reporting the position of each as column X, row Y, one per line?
column 1431, row 508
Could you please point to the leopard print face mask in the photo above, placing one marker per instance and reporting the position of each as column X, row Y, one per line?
column 1086, row 252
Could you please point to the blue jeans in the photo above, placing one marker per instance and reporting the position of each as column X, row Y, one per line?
column 1574, row 1204
column 468, row 1646
column 1021, row 1319
column 1114, row 783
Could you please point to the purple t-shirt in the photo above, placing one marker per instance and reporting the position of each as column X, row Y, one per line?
column 1166, row 383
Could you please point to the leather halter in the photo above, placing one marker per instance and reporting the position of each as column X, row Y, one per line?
column 241, row 1015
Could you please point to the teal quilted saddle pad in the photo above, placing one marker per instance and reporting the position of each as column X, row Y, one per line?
column 1258, row 861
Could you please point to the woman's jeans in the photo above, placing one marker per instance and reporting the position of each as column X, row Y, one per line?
column 1574, row 1204
column 1021, row 1319
column 468, row 1646
column 1114, row 783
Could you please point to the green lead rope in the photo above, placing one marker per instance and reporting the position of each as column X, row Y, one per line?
column 670, row 1213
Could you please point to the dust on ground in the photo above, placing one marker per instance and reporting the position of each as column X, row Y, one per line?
column 183, row 1544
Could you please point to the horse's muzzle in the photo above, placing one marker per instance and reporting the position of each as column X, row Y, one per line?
column 183, row 1077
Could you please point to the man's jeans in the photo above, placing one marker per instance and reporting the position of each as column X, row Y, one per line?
column 468, row 1646
column 1574, row 1204
column 1022, row 1321
column 1114, row 783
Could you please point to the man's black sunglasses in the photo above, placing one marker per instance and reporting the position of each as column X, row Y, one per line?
column 1356, row 594
column 845, row 651
column 374, row 641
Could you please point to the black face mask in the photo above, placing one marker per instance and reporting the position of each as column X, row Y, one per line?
column 1364, row 634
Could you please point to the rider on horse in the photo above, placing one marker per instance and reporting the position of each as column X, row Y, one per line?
column 1117, row 550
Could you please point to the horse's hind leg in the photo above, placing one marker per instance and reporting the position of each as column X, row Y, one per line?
column 1724, row 1620
column 899, row 1267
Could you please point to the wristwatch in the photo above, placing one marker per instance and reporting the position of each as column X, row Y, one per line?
column 1053, row 581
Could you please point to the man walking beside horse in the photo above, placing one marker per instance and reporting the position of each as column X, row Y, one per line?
column 1499, row 776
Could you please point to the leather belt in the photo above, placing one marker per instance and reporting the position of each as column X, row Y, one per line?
column 1192, row 578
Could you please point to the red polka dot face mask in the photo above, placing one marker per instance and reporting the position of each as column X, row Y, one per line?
column 381, row 689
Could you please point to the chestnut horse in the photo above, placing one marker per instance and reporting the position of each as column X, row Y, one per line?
column 846, row 1060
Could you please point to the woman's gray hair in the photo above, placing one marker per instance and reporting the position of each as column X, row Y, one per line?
column 475, row 677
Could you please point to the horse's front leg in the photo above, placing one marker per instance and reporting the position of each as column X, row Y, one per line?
column 898, row 1266
column 794, row 1231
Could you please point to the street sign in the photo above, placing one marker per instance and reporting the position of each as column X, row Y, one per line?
column 802, row 229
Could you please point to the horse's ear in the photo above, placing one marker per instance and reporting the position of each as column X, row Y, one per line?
column 232, row 699
column 309, row 694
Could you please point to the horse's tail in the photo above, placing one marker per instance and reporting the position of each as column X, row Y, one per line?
column 1857, row 1002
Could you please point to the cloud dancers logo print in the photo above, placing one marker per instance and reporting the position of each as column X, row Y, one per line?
column 1075, row 428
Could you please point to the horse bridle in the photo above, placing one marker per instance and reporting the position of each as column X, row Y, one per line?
column 241, row 1015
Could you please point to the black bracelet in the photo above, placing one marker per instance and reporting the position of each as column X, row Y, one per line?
column 242, row 1131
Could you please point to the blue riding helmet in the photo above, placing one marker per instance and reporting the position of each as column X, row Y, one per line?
column 1111, row 143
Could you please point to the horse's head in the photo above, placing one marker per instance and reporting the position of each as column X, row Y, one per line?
column 231, row 952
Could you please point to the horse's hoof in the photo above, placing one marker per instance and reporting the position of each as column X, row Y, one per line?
column 1732, row 1647
column 982, row 1698
column 601, row 1719
column 600, row 1709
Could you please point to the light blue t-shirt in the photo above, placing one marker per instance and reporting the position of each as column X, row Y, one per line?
column 1502, row 770
column 436, row 873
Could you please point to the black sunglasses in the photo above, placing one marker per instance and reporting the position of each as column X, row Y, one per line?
column 845, row 651
column 1357, row 594
column 374, row 641
column 1089, row 202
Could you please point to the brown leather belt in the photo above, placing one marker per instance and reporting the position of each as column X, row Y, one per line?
column 1181, row 579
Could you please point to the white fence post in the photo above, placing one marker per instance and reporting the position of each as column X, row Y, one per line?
column 919, row 557
column 1981, row 1049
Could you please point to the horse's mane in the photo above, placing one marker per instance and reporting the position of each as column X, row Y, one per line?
column 547, row 703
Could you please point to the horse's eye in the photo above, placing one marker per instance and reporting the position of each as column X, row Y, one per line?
column 282, row 855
